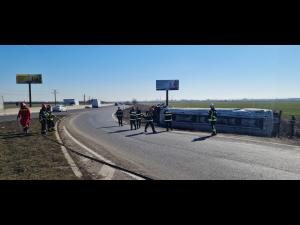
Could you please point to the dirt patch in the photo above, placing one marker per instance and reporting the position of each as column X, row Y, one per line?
column 31, row 157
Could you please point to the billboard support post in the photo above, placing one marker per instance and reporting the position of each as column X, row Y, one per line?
column 167, row 85
column 29, row 79
column 30, row 103
column 167, row 97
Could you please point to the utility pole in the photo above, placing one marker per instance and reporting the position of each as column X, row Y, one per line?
column 55, row 92
column 30, row 102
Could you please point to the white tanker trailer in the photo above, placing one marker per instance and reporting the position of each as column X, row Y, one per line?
column 251, row 121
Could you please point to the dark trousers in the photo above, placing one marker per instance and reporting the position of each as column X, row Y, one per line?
column 25, row 130
column 169, row 125
column 152, row 126
column 213, row 127
column 50, row 125
column 138, row 123
column 132, row 123
column 120, row 121
column 43, row 126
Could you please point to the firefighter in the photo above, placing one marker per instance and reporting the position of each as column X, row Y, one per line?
column 119, row 115
column 43, row 119
column 212, row 118
column 25, row 117
column 132, row 118
column 50, row 119
column 138, row 118
column 149, row 121
column 168, row 119
column 292, row 126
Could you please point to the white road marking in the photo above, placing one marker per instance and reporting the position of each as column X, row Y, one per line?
column 69, row 159
column 107, row 172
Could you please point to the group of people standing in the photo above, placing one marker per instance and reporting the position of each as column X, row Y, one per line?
column 46, row 118
column 135, row 118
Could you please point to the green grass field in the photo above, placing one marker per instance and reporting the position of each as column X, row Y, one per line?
column 288, row 108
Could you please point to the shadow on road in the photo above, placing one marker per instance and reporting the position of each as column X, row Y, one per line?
column 118, row 131
column 201, row 138
column 107, row 127
column 158, row 132
column 132, row 135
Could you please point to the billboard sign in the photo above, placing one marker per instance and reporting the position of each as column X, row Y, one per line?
column 29, row 78
column 167, row 85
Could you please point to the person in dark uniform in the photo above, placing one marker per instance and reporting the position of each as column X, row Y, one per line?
column 212, row 118
column 149, row 121
column 50, row 119
column 138, row 118
column 119, row 115
column 168, row 119
column 292, row 126
column 132, row 118
column 43, row 115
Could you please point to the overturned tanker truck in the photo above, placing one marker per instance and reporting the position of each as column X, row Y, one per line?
column 250, row 121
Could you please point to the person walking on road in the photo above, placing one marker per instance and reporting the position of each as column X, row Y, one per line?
column 25, row 117
column 168, row 119
column 149, row 121
column 119, row 115
column 132, row 118
column 138, row 118
column 212, row 118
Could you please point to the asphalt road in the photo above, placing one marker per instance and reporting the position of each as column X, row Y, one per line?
column 175, row 155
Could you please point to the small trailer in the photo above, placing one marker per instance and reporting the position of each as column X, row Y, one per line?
column 96, row 103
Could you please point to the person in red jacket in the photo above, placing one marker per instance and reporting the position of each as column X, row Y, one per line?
column 25, row 117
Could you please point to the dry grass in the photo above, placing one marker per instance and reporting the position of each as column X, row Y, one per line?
column 31, row 157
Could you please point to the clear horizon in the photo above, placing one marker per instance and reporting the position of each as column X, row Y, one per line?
column 122, row 73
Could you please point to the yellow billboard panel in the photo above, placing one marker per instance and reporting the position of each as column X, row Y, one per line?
column 29, row 78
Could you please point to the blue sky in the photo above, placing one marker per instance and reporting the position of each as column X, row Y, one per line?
column 118, row 72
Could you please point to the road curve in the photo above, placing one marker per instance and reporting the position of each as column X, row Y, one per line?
column 176, row 156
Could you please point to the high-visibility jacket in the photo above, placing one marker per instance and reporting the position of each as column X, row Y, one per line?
column 138, row 115
column 168, row 117
column 43, row 115
column 132, row 115
column 49, row 115
column 212, row 115
column 148, row 118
